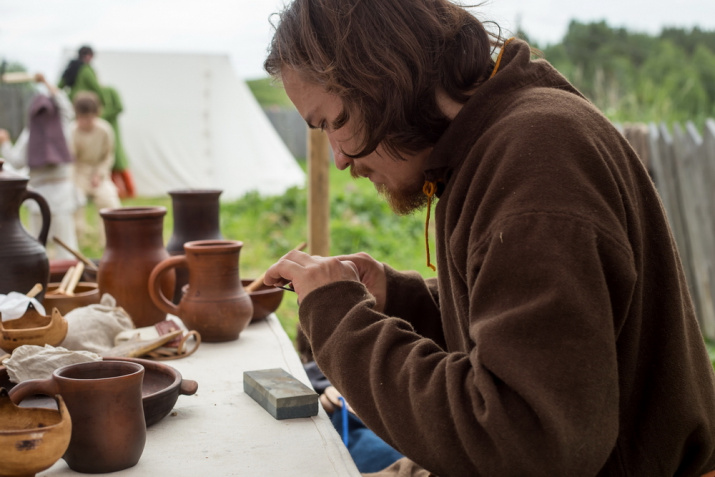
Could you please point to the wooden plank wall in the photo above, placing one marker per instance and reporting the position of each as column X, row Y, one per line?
column 681, row 162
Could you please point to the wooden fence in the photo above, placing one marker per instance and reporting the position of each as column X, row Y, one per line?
column 681, row 161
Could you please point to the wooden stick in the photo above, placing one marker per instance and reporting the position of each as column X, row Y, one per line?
column 74, row 280
column 253, row 286
column 89, row 263
column 65, row 281
column 35, row 290
column 17, row 77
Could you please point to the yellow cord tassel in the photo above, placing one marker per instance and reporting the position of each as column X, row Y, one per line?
column 429, row 188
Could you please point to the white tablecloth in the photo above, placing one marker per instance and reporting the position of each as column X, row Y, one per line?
column 221, row 431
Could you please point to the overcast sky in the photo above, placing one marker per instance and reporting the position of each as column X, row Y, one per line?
column 36, row 32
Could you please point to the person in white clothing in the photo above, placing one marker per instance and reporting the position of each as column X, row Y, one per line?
column 42, row 149
column 93, row 147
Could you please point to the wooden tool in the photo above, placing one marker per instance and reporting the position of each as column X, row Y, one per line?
column 88, row 263
column 255, row 284
column 17, row 77
column 137, row 348
column 34, row 290
column 65, row 281
column 74, row 279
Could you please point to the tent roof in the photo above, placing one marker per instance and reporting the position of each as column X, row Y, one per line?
column 190, row 122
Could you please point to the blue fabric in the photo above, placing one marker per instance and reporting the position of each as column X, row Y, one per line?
column 370, row 453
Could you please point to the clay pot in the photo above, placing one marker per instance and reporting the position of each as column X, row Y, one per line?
column 31, row 439
column 23, row 257
column 161, row 388
column 215, row 304
column 32, row 328
column 196, row 217
column 104, row 399
column 135, row 245
column 85, row 293
column 265, row 300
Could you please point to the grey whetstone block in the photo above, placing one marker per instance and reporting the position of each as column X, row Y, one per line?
column 281, row 394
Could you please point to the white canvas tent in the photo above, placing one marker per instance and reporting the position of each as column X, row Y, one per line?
column 190, row 122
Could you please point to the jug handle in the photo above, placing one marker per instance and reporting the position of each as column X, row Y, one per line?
column 33, row 386
column 155, row 283
column 44, row 211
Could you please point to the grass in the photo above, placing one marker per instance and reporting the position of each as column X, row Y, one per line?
column 271, row 226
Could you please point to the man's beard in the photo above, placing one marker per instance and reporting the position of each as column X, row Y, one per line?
column 402, row 202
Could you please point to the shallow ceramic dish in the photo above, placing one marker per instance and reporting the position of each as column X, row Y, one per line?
column 32, row 439
column 160, row 390
column 32, row 328
column 265, row 300
column 85, row 293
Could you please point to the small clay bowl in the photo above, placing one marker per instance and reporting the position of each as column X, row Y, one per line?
column 161, row 388
column 265, row 300
column 32, row 439
column 32, row 328
column 85, row 293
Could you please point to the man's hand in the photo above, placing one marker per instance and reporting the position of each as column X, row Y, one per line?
column 372, row 275
column 4, row 136
column 307, row 272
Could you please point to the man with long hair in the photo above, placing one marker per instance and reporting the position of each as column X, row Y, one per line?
column 558, row 337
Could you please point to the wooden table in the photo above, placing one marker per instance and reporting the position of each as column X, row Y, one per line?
column 221, row 431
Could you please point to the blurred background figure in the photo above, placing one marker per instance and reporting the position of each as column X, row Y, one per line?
column 93, row 146
column 121, row 176
column 79, row 75
column 43, row 148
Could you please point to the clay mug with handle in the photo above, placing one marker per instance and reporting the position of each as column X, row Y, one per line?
column 215, row 303
column 104, row 399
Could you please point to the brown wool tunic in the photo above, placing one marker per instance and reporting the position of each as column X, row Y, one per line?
column 559, row 338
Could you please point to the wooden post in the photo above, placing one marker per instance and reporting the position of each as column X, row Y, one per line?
column 318, row 193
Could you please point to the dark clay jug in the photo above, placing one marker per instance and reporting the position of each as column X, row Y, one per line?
column 135, row 245
column 23, row 258
column 196, row 217
column 215, row 303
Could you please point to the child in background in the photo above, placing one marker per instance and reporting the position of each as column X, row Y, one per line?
column 93, row 147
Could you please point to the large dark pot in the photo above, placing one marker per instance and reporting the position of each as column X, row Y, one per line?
column 196, row 217
column 23, row 257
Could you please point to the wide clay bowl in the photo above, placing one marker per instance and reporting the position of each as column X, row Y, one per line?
column 31, row 439
column 32, row 328
column 266, row 300
column 161, row 388
column 85, row 293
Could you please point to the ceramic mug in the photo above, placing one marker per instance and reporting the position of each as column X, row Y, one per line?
column 104, row 399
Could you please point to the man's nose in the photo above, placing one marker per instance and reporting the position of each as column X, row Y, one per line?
column 342, row 162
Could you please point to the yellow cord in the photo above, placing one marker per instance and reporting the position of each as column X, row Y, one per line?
column 501, row 51
column 429, row 188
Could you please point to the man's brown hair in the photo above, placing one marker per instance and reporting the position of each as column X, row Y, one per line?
column 86, row 102
column 385, row 59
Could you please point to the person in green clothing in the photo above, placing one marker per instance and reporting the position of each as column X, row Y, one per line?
column 121, row 176
column 80, row 76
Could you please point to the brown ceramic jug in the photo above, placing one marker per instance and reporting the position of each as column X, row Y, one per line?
column 135, row 245
column 23, row 258
column 215, row 304
column 104, row 399
column 196, row 217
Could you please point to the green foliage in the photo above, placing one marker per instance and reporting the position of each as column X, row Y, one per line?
column 634, row 77
column 269, row 93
